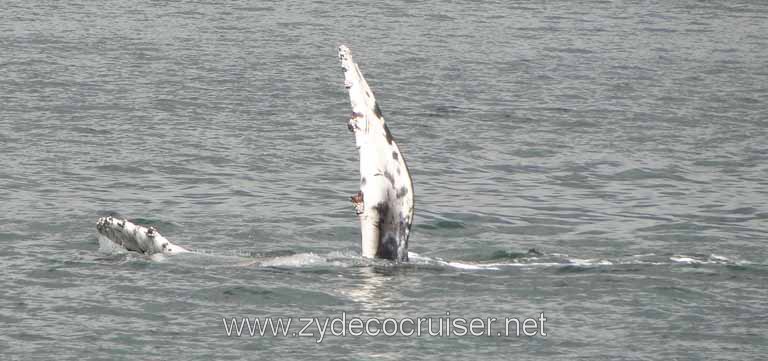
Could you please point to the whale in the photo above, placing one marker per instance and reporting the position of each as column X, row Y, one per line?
column 134, row 237
column 384, row 204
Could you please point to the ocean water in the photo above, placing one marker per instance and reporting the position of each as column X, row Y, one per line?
column 601, row 162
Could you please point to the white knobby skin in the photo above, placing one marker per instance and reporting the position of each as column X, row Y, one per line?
column 136, row 238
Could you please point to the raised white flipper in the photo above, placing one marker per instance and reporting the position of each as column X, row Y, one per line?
column 136, row 238
column 385, row 201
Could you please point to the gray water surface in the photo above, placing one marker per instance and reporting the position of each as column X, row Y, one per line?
column 625, row 142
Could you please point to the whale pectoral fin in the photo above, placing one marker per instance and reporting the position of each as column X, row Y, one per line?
column 386, row 214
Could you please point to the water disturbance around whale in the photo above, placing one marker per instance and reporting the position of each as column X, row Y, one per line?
column 384, row 203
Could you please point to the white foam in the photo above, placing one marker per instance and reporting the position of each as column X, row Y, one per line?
column 467, row 266
column 296, row 260
column 415, row 257
column 590, row 262
column 719, row 258
column 523, row 265
column 158, row 257
column 711, row 259
column 684, row 259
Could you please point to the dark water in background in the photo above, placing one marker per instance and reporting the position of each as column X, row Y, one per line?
column 625, row 141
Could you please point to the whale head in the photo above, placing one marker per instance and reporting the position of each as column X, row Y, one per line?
column 135, row 237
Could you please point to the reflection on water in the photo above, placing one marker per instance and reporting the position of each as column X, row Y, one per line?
column 371, row 290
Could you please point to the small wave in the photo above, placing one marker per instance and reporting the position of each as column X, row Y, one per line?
column 296, row 260
column 711, row 259
column 498, row 261
column 590, row 262
column 566, row 261
column 419, row 259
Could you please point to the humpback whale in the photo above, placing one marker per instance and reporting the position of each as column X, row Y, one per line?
column 384, row 203
column 135, row 238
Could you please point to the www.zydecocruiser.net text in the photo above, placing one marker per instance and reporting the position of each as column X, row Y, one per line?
column 344, row 326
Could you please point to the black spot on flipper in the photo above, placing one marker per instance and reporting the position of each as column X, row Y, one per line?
column 389, row 177
column 377, row 110
column 389, row 243
column 388, row 134
column 402, row 193
column 363, row 181
column 388, row 247
column 383, row 209
column 395, row 156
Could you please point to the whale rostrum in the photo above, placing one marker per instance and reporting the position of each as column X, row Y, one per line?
column 384, row 203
